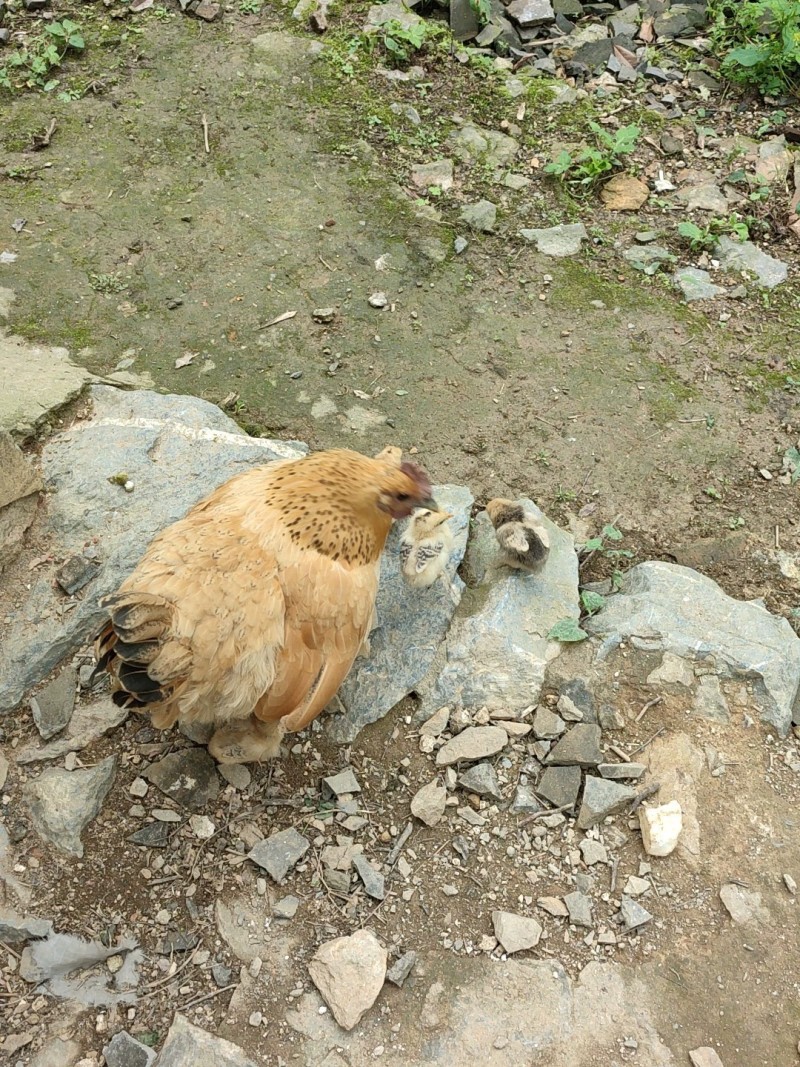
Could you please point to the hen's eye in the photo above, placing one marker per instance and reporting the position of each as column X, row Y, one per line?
column 402, row 496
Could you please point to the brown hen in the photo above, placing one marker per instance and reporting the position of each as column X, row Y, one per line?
column 249, row 612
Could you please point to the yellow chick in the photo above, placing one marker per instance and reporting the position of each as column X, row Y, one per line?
column 524, row 542
column 425, row 547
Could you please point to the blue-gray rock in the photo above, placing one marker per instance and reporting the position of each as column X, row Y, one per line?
column 663, row 607
column 189, row 777
column 650, row 258
column 560, row 785
column 412, row 624
column 374, row 882
column 125, row 1051
column 63, row 803
column 52, row 708
column 696, row 284
column 480, row 216
column 745, row 256
column 557, row 241
column 602, row 798
column 17, row 929
column 189, row 1046
column 531, row 12
column 481, row 779
column 175, row 450
column 580, row 747
column 497, row 648
column 278, row 853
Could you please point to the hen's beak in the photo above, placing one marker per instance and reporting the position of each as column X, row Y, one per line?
column 429, row 503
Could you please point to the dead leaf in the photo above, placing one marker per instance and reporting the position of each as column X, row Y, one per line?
column 361, row 394
column 646, row 33
column 624, row 193
column 229, row 400
column 185, row 360
column 274, row 322
column 139, row 5
column 624, row 56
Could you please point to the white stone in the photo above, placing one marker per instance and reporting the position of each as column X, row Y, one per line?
column 661, row 827
column 428, row 803
column 515, row 932
column 349, row 973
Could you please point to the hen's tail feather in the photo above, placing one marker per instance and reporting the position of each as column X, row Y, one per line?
column 128, row 648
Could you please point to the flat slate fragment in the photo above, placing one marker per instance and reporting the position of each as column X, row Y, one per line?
column 278, row 853
column 579, row 747
column 189, row 777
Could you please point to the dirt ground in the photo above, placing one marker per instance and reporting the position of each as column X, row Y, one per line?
column 501, row 367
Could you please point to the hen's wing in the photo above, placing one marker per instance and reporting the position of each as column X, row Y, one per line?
column 195, row 630
column 329, row 608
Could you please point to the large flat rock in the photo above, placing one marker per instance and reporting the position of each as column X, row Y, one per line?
column 497, row 650
column 35, row 381
column 673, row 609
column 175, row 450
column 412, row 624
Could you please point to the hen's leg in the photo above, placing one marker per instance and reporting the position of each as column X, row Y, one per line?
column 251, row 743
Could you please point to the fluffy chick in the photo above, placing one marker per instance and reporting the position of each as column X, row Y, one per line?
column 425, row 547
column 524, row 542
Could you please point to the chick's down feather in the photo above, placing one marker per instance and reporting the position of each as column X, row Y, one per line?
column 257, row 602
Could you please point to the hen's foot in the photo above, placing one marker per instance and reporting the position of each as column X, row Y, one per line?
column 252, row 743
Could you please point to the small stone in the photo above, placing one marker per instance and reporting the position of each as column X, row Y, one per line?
column 138, row 788
column 401, row 969
column 705, row 196
column 774, row 160
column 206, row 11
column 177, row 941
column 436, row 724
column 286, row 907
column 602, row 798
column 593, row 852
column 221, row 974
column 673, row 670
column 635, row 887
column 349, row 972
column 633, row 914
column 337, row 881
column 661, row 827
column 528, row 13
column 373, row 880
column 255, row 1018
column 236, row 774
column 696, row 284
column 560, row 785
column 680, row 20
column 439, row 174
column 202, row 827
column 323, row 315
column 338, row 784
column 75, row 573
column 279, row 852
column 790, row 884
column 378, row 300
column 16, row 929
column 52, row 708
column 745, row 256
column 525, row 801
column 428, row 804
column 163, row 917
column 579, row 906
column 743, row 905
column 704, row 1057
column 474, row 743
column 189, row 777
column 624, row 193
column 165, row 815
column 125, row 1051
column 553, row 906
column 557, row 241
column 481, row 216
column 460, row 244
column 579, row 747
column 154, row 835
column 516, row 933
column 481, row 779
column 63, row 803
column 569, row 710
column 621, row 771
column 546, row 724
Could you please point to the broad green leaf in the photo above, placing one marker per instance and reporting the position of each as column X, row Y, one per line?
column 611, row 533
column 748, row 56
column 567, row 630
column 591, row 601
column 593, row 544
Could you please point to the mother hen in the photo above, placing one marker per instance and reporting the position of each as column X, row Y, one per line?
column 249, row 612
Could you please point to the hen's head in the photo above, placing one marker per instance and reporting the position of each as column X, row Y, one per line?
column 402, row 489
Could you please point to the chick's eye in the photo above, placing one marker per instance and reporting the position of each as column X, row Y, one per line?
column 402, row 496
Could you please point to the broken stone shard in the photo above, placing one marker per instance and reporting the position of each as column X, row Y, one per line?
column 661, row 827
column 349, row 973
column 279, row 852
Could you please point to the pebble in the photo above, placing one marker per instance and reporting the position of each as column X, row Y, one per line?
column 256, row 1018
column 52, row 708
column 593, row 852
column 790, row 884
column 579, row 906
column 579, row 747
column 481, row 779
column 635, row 887
column 428, row 804
column 279, row 852
column 704, row 1057
column 202, row 827
column 373, row 880
column 547, row 725
column 568, row 709
column 661, row 827
column 338, row 784
column 165, row 815
column 516, row 933
column 378, row 300
column 436, row 724
column 286, row 907
column 460, row 244
column 163, row 917
column 236, row 774
column 138, row 788
column 474, row 743
column 553, row 906
column 602, row 798
column 633, row 914
column 616, row 771
column 743, row 905
column 125, row 1051
column 189, row 777
column 401, row 969
column 560, row 785
column 349, row 972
